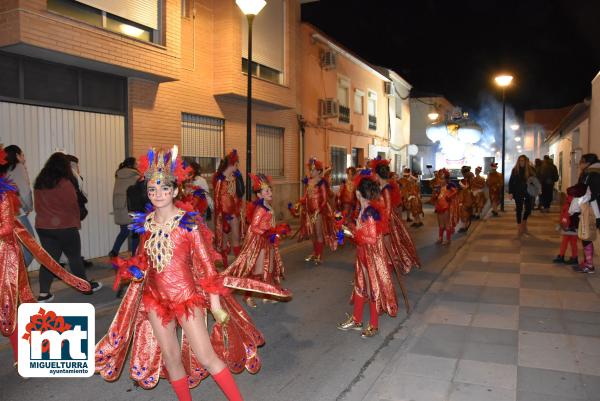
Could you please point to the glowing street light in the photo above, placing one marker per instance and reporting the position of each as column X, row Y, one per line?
column 250, row 8
column 518, row 138
column 515, row 127
column 503, row 81
column 433, row 116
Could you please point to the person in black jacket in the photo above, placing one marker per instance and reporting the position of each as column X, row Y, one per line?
column 590, row 178
column 548, row 176
column 517, row 190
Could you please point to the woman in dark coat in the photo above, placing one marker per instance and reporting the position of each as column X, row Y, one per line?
column 517, row 190
column 590, row 178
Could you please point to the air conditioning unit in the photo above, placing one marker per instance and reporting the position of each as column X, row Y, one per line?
column 388, row 88
column 327, row 59
column 329, row 108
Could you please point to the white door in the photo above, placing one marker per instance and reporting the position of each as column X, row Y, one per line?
column 98, row 140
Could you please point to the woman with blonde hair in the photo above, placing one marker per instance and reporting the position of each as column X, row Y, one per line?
column 518, row 189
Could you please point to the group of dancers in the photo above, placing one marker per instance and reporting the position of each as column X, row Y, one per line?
column 465, row 200
column 173, row 278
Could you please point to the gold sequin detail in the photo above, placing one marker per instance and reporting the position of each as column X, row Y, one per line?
column 159, row 247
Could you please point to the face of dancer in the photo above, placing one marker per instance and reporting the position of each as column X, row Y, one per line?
column 231, row 169
column 266, row 194
column 161, row 195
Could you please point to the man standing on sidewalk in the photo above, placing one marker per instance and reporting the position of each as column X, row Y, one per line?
column 548, row 176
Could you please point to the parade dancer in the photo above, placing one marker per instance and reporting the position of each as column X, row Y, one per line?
column 466, row 199
column 477, row 187
column 346, row 198
column 495, row 184
column 373, row 266
column 411, row 195
column 317, row 221
column 14, row 282
column 446, row 208
column 229, row 191
column 398, row 242
column 174, row 281
column 259, row 258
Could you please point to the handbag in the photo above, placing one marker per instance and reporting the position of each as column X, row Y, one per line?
column 586, row 231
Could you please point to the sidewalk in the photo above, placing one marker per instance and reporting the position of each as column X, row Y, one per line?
column 502, row 323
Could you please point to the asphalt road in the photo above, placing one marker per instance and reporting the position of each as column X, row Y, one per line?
column 305, row 356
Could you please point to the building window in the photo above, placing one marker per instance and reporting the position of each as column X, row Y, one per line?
column 398, row 163
column 202, row 140
column 359, row 101
column 137, row 19
column 269, row 150
column 398, row 107
column 262, row 71
column 268, row 35
column 372, row 110
column 338, row 165
column 343, row 96
column 186, row 8
column 358, row 157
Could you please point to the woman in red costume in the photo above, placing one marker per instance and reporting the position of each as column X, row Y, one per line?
column 14, row 282
column 373, row 267
column 397, row 241
column 259, row 258
column 447, row 207
column 175, row 281
column 346, row 198
column 317, row 221
column 228, row 186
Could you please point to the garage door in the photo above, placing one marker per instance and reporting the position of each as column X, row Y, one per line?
column 98, row 140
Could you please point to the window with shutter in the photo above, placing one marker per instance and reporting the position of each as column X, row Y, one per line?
column 268, row 36
column 202, row 140
column 269, row 150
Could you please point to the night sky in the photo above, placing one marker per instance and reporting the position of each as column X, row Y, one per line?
column 455, row 48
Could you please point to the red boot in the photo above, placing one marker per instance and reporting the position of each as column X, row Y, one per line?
column 318, row 253
column 225, row 381
column 182, row 389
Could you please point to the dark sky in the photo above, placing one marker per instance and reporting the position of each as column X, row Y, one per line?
column 455, row 47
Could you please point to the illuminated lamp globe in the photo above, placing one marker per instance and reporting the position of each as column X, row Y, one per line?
column 251, row 7
column 518, row 138
column 515, row 127
column 503, row 80
column 413, row 150
column 433, row 116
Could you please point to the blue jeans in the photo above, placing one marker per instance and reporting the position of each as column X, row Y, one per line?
column 122, row 237
column 26, row 254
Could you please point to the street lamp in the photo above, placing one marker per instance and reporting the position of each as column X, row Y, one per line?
column 503, row 81
column 514, row 127
column 250, row 8
column 433, row 116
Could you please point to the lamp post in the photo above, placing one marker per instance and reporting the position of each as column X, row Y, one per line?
column 250, row 8
column 503, row 81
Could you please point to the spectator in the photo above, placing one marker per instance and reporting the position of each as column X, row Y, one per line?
column 518, row 190
column 548, row 176
column 590, row 180
column 126, row 177
column 16, row 171
column 57, row 220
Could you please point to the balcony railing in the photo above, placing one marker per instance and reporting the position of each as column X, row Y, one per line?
column 372, row 122
column 344, row 114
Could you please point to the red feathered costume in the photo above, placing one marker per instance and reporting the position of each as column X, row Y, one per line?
column 313, row 208
column 173, row 272
column 262, row 239
column 397, row 240
column 228, row 198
